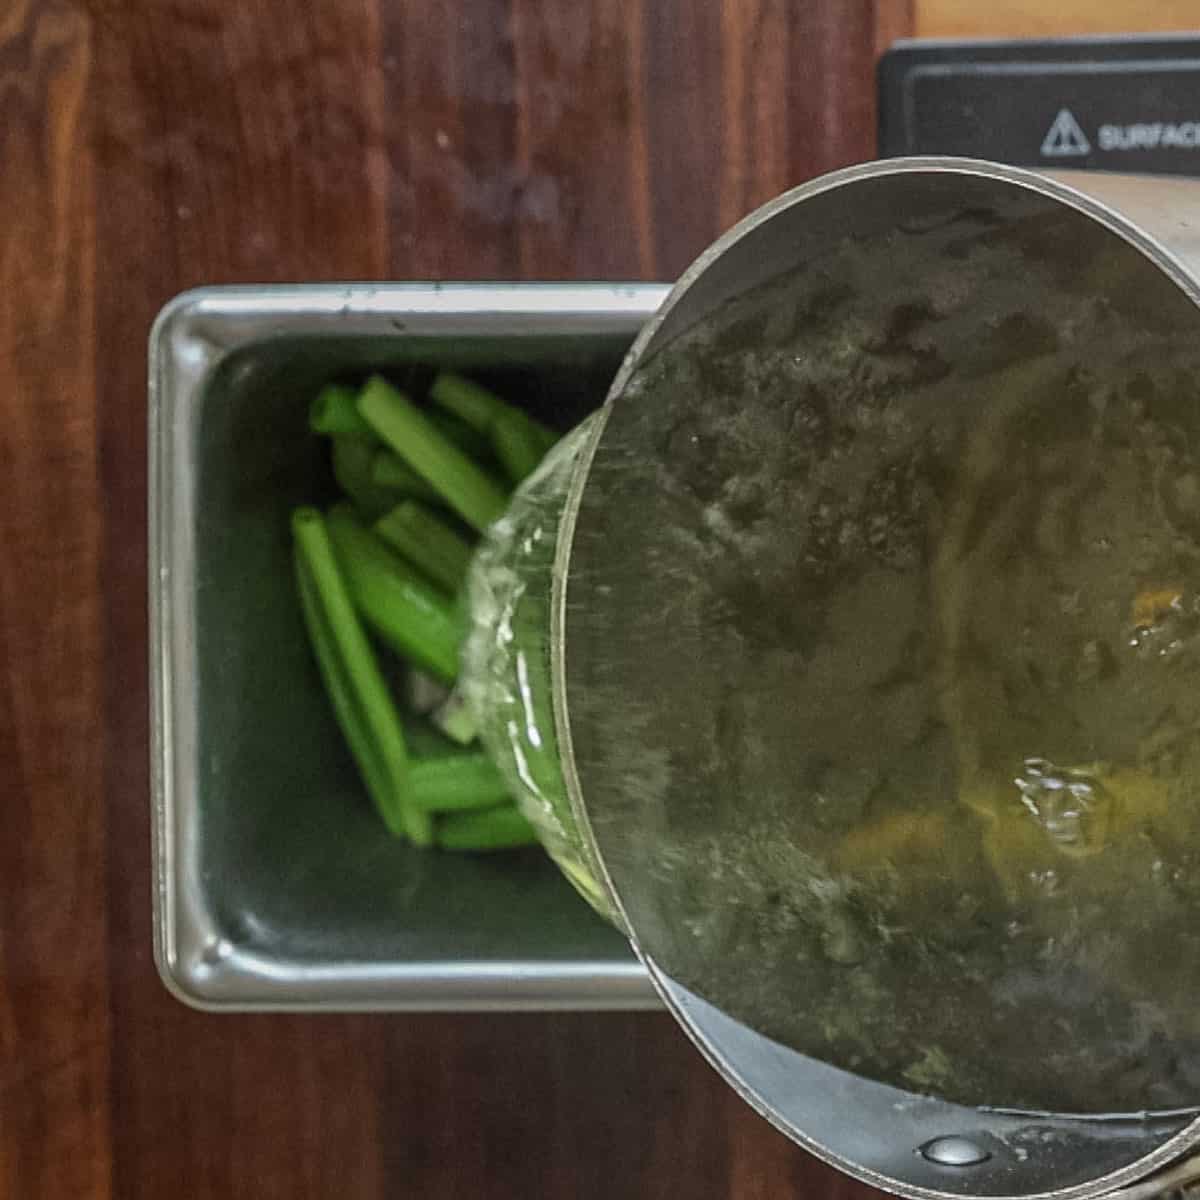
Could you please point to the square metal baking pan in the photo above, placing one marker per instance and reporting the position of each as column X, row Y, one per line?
column 275, row 886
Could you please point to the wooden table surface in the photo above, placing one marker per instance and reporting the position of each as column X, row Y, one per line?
column 150, row 145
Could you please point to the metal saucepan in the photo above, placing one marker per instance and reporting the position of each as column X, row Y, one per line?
column 659, row 757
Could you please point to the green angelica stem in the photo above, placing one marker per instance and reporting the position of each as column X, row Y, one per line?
column 371, row 767
column 519, row 444
column 499, row 828
column 469, row 440
column 467, row 400
column 399, row 604
column 480, row 407
column 455, row 782
column 465, row 486
column 427, row 542
column 390, row 471
column 335, row 410
column 353, row 457
column 357, row 691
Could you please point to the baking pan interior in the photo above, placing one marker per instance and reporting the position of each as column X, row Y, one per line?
column 292, row 862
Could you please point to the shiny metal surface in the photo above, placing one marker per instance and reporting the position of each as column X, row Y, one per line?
column 954, row 1151
column 274, row 887
column 869, row 1130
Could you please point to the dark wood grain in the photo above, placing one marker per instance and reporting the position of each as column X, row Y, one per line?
column 54, row 1032
column 150, row 145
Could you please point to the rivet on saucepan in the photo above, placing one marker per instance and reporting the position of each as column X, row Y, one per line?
column 954, row 1151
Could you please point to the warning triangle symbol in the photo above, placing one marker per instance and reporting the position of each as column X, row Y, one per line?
column 1064, row 138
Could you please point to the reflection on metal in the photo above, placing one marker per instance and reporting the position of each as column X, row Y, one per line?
column 954, row 1151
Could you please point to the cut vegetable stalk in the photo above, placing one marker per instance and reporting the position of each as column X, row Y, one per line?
column 357, row 689
column 478, row 406
column 335, row 410
column 382, row 790
column 427, row 542
column 389, row 470
column 455, row 782
column 518, row 443
column 402, row 607
column 499, row 828
column 466, row 437
column 466, row 399
column 468, row 489
column 353, row 456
